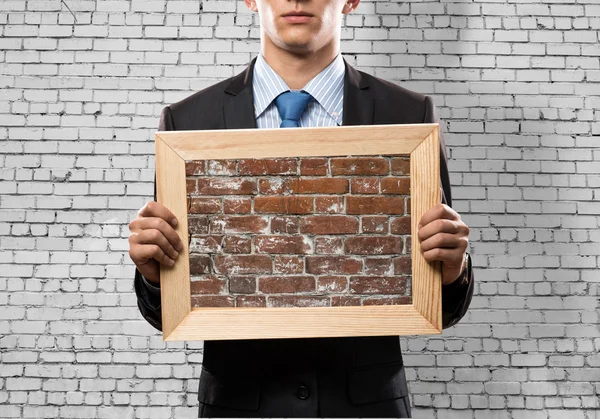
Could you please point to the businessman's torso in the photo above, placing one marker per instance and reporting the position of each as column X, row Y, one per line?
column 330, row 377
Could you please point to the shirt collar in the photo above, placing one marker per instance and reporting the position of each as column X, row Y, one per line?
column 326, row 87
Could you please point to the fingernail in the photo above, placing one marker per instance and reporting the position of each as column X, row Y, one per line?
column 180, row 246
column 170, row 262
column 174, row 222
column 176, row 254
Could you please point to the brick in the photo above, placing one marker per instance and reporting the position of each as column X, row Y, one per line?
column 204, row 206
column 283, row 244
column 333, row 265
column 297, row 301
column 236, row 244
column 283, row 204
column 237, row 205
column 313, row 167
column 318, row 186
column 242, row 264
column 329, row 204
column 333, row 245
column 238, row 224
column 362, row 166
column 365, row 186
column 226, row 186
column 375, row 205
column 288, row 264
column 208, row 284
column 286, row 284
column 328, row 224
column 255, row 167
column 377, row 285
column 373, row 245
column 395, row 185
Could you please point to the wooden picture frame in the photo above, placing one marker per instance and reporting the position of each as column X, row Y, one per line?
column 182, row 322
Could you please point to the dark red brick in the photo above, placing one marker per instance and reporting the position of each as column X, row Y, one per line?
column 375, row 224
column 319, row 185
column 208, row 284
column 401, row 166
column 383, row 301
column 242, row 284
column 226, row 186
column 333, row 265
column 238, row 205
column 205, row 244
column 395, row 185
column 328, row 224
column 199, row 264
column 242, row 264
column 373, row 245
column 213, row 301
column 365, row 185
column 332, row 284
column 379, row 266
column 288, row 264
column 362, row 166
column 329, row 204
column 403, row 265
column 345, row 300
column 228, row 224
column 313, row 167
column 374, row 205
column 274, row 186
column 377, row 284
column 221, row 168
column 281, row 166
column 284, row 224
column 286, row 284
column 194, row 168
column 197, row 225
column 190, row 186
column 291, row 204
column 400, row 225
column 329, row 245
column 297, row 301
column 282, row 244
column 237, row 244
column 204, row 205
column 250, row 301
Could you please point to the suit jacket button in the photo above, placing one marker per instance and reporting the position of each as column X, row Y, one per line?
column 303, row 393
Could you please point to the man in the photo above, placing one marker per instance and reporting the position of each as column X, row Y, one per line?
column 326, row 377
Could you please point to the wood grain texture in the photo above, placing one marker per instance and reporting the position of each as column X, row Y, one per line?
column 175, row 283
column 272, row 323
column 297, row 142
column 425, row 187
column 181, row 322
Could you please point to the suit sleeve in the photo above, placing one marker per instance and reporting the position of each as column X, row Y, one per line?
column 148, row 296
column 455, row 297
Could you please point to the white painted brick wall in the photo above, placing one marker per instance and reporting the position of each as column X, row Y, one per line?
column 517, row 85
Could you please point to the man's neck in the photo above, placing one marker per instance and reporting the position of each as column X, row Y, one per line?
column 297, row 70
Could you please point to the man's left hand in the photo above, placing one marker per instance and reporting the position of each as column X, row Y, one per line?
column 444, row 237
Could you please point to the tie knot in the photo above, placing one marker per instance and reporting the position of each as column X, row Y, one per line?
column 291, row 106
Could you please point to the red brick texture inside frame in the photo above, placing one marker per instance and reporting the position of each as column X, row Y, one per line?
column 299, row 232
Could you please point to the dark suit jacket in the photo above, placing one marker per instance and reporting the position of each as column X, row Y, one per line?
column 331, row 377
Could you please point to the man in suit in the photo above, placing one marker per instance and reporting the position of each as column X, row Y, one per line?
column 324, row 377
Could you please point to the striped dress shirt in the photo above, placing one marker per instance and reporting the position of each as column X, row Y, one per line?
column 327, row 89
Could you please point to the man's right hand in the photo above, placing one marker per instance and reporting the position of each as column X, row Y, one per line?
column 153, row 240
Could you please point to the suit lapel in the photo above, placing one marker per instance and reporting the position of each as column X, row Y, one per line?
column 238, row 109
column 358, row 102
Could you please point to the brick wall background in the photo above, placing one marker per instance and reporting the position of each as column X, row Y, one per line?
column 517, row 84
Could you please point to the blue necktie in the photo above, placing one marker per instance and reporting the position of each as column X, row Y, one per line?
column 291, row 105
